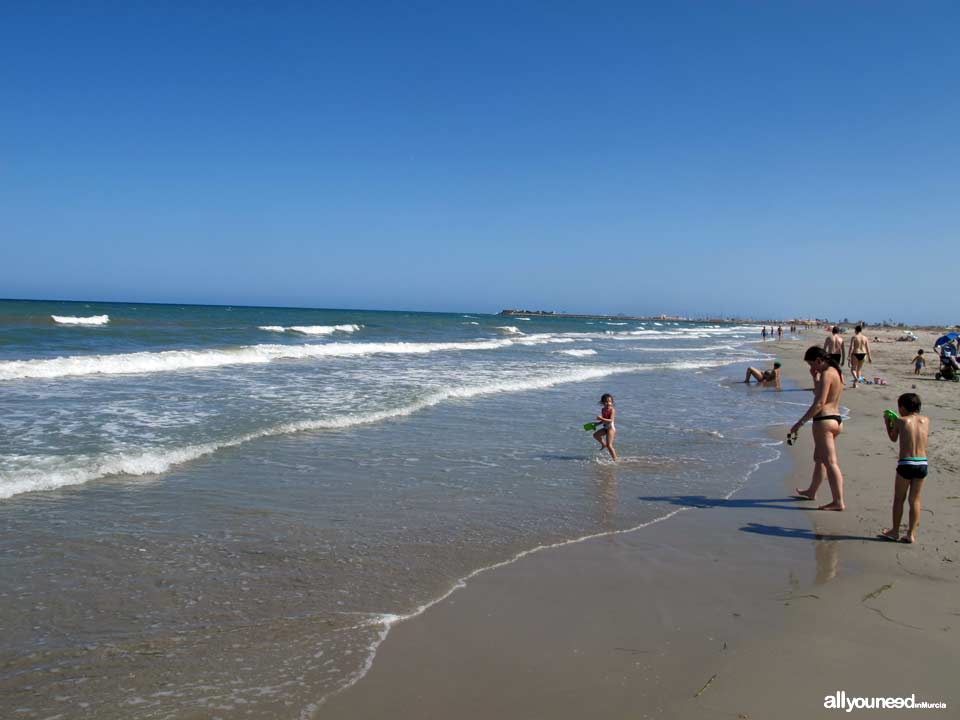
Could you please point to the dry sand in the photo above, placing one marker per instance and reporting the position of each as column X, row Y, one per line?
column 749, row 608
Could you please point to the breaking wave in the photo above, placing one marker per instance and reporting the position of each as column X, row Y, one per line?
column 312, row 329
column 73, row 320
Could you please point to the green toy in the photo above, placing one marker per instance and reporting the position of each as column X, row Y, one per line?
column 590, row 426
column 890, row 415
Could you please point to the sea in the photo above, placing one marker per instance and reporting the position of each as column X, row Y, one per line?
column 211, row 511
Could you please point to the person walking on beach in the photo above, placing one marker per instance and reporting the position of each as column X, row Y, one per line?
column 764, row 333
column 779, row 333
column 911, row 428
column 825, row 413
column 834, row 346
column 859, row 349
column 918, row 362
column 605, row 434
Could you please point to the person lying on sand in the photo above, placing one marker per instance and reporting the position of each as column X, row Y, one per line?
column 911, row 428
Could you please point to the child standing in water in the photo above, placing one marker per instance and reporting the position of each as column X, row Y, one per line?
column 911, row 430
column 606, row 433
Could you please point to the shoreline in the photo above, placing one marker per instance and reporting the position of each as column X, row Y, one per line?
column 718, row 613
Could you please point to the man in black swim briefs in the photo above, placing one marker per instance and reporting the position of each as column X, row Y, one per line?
column 833, row 346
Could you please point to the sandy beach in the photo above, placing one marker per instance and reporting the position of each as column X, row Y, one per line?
column 753, row 607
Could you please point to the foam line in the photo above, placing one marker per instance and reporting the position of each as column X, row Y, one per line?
column 73, row 320
column 81, row 469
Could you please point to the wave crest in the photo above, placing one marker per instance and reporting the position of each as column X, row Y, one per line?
column 74, row 320
column 311, row 329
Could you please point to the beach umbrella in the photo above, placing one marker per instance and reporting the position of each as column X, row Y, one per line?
column 949, row 337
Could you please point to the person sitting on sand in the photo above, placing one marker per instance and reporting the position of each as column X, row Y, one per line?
column 764, row 377
column 606, row 433
column 911, row 428
column 859, row 349
column 825, row 413
column 918, row 362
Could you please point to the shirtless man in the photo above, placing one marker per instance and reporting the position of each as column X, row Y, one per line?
column 825, row 413
column 911, row 428
column 859, row 349
column 834, row 346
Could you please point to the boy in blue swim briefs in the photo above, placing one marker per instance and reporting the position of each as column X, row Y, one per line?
column 918, row 362
column 911, row 429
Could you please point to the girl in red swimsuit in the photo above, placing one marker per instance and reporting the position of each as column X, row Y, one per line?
column 605, row 434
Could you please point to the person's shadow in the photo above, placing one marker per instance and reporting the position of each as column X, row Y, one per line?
column 801, row 533
column 702, row 501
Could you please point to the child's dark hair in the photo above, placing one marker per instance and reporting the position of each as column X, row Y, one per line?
column 909, row 402
column 815, row 352
column 605, row 397
column 919, row 352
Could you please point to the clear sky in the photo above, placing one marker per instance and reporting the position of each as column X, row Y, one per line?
column 751, row 158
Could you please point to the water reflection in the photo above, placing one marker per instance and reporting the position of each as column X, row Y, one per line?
column 605, row 485
column 827, row 553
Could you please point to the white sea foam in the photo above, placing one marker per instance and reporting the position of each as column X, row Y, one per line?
column 312, row 329
column 577, row 352
column 51, row 472
column 72, row 320
column 509, row 330
column 173, row 360
column 521, row 318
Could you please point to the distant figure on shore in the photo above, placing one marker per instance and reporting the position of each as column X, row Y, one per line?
column 911, row 428
column 918, row 362
column 764, row 333
column 859, row 349
column 779, row 333
column 825, row 413
column 834, row 346
column 605, row 434
column 764, row 377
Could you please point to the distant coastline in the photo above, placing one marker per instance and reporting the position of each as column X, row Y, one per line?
column 672, row 318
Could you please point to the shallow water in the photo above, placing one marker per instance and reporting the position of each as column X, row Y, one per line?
column 235, row 539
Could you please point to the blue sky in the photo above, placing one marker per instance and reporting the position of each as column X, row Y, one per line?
column 750, row 158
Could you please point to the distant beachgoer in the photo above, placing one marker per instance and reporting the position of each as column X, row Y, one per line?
column 918, row 362
column 911, row 428
column 605, row 434
column 764, row 333
column 825, row 413
column 859, row 349
column 764, row 377
column 779, row 332
column 834, row 346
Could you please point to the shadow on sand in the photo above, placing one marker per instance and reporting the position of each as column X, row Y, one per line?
column 702, row 501
column 801, row 533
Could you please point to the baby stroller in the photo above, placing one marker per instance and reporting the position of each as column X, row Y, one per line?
column 949, row 366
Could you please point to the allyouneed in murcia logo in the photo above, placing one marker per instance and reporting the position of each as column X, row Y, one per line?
column 848, row 703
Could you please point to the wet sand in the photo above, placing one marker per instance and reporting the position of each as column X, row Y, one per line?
column 747, row 608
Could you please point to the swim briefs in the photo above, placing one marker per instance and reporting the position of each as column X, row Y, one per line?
column 911, row 468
